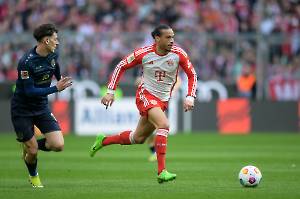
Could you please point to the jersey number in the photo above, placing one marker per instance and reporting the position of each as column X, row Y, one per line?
column 159, row 75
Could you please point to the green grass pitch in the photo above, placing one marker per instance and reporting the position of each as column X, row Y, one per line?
column 206, row 164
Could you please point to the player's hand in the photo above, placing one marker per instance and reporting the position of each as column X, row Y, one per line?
column 108, row 99
column 64, row 83
column 188, row 104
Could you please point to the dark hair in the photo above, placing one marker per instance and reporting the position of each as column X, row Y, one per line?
column 44, row 30
column 156, row 31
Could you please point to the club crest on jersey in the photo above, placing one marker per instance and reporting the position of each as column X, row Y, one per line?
column 154, row 102
column 24, row 74
column 170, row 62
column 45, row 77
column 53, row 63
column 130, row 58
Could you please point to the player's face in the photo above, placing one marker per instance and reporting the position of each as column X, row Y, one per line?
column 52, row 42
column 166, row 40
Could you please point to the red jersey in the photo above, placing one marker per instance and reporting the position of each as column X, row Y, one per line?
column 159, row 71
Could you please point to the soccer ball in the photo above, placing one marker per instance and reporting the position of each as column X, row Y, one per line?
column 250, row 176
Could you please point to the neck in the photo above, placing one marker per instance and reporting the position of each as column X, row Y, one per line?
column 160, row 51
column 40, row 50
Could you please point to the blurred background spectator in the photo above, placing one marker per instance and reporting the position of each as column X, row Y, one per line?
column 246, row 82
column 221, row 36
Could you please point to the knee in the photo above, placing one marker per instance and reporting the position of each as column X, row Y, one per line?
column 32, row 151
column 163, row 125
column 57, row 146
column 140, row 139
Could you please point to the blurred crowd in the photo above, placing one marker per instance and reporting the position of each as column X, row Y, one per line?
column 219, row 35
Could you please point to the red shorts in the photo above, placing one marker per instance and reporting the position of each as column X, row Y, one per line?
column 145, row 101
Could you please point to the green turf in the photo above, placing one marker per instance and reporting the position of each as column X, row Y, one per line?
column 206, row 165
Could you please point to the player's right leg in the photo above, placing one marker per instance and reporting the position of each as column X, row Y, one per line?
column 24, row 129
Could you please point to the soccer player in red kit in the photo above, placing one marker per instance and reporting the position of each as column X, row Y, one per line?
column 160, row 62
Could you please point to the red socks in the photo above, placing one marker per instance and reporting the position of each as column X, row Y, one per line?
column 161, row 148
column 123, row 138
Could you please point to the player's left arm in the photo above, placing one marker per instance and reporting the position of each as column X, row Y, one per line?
column 189, row 70
column 62, row 82
column 57, row 73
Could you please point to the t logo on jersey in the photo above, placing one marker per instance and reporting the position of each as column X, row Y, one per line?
column 159, row 75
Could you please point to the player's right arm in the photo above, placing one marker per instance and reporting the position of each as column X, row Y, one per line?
column 25, row 75
column 129, row 61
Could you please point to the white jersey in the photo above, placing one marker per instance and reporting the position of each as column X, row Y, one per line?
column 159, row 71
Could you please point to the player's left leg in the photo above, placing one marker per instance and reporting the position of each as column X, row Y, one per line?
column 53, row 140
column 158, row 118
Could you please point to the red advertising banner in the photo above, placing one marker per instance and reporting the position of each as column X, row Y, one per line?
column 60, row 110
column 234, row 116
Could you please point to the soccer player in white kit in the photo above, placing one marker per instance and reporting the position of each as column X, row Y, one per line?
column 160, row 62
